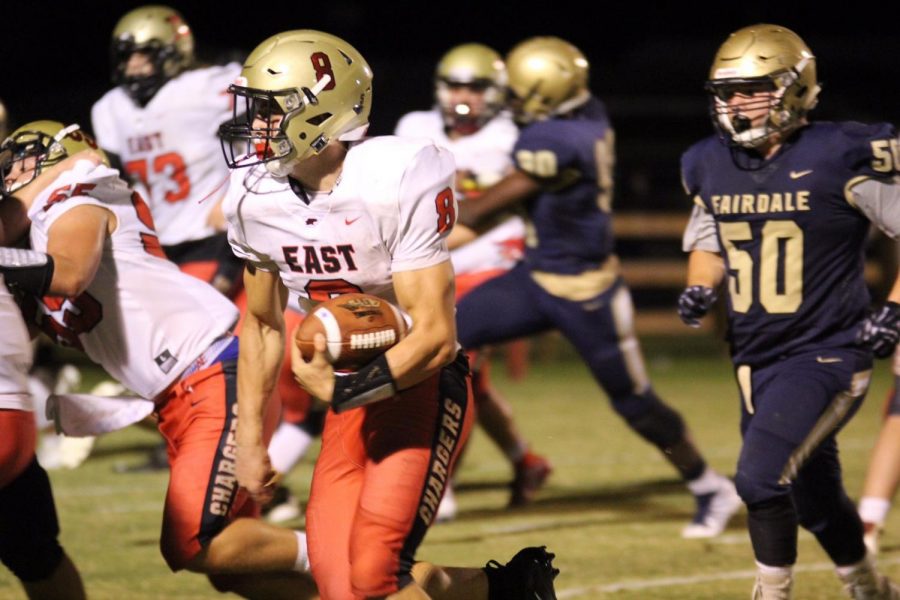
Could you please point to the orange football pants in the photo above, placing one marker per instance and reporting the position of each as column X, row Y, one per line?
column 198, row 419
column 378, row 481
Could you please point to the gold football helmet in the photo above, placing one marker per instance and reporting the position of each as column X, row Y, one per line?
column 756, row 59
column 479, row 68
column 547, row 77
column 162, row 34
column 48, row 142
column 301, row 89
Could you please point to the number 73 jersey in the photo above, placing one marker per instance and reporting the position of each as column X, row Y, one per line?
column 792, row 233
column 390, row 210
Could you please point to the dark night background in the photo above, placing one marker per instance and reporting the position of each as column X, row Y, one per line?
column 648, row 59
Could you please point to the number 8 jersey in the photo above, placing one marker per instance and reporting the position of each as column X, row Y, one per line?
column 141, row 319
column 792, row 231
column 390, row 210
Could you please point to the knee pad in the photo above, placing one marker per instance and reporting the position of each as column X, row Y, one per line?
column 29, row 527
column 652, row 419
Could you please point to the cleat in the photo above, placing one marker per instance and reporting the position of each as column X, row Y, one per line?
column 447, row 509
column 284, row 506
column 713, row 512
column 871, row 537
column 864, row 582
column 529, row 574
column 773, row 586
column 531, row 473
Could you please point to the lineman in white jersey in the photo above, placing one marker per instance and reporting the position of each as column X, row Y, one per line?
column 28, row 523
column 102, row 285
column 321, row 213
column 160, row 121
column 470, row 89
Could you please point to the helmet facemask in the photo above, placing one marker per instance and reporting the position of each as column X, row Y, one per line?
column 478, row 70
column 162, row 35
column 772, row 72
column 461, row 116
column 142, row 88
column 298, row 91
column 777, row 94
column 47, row 150
column 257, row 133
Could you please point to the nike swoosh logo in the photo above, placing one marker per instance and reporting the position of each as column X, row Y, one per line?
column 825, row 360
column 799, row 174
column 350, row 221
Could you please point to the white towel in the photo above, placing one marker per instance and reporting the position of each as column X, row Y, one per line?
column 79, row 415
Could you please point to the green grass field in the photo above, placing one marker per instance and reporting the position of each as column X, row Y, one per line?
column 612, row 510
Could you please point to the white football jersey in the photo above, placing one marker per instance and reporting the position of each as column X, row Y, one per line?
column 15, row 355
column 170, row 147
column 141, row 318
column 483, row 157
column 390, row 211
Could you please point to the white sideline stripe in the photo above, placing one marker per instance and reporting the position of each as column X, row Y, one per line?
column 668, row 581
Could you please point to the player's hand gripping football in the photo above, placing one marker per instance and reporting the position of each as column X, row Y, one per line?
column 880, row 330
column 317, row 375
column 693, row 304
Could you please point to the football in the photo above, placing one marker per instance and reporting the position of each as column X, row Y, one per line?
column 357, row 328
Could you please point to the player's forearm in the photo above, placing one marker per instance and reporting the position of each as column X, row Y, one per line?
column 259, row 361
column 428, row 296
column 513, row 188
column 705, row 268
column 427, row 349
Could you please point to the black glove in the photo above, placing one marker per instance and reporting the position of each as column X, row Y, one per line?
column 693, row 304
column 879, row 330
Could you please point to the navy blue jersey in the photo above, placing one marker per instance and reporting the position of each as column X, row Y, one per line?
column 793, row 245
column 571, row 226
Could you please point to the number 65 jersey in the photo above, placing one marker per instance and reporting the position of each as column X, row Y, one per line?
column 792, row 231
column 390, row 210
column 140, row 318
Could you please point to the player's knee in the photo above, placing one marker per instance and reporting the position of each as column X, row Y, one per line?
column 29, row 545
column 651, row 418
column 754, row 488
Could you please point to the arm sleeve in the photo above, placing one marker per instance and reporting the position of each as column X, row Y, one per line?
column 879, row 200
column 427, row 211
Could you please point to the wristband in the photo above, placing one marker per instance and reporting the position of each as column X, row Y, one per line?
column 26, row 270
column 371, row 383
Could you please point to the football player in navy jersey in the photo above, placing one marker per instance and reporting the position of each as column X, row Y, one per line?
column 569, row 279
column 782, row 207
